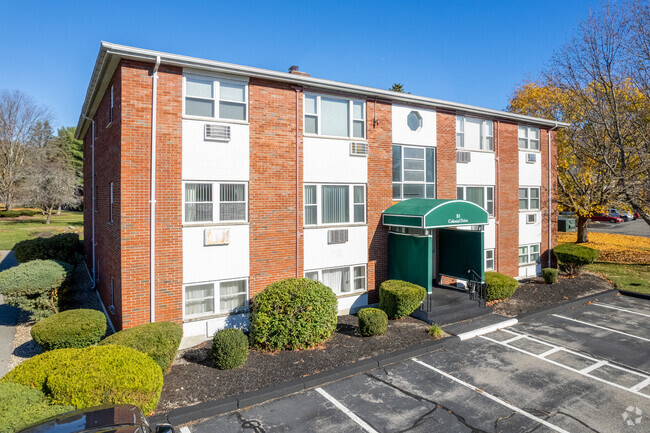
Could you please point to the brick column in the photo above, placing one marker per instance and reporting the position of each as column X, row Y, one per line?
column 507, row 198
column 446, row 155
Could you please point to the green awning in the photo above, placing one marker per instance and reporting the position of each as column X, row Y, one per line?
column 433, row 213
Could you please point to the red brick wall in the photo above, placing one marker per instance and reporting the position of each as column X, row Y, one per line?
column 507, row 198
column 545, row 250
column 272, row 185
column 136, row 168
column 446, row 155
column 379, row 192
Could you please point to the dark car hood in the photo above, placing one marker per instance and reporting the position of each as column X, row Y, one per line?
column 119, row 419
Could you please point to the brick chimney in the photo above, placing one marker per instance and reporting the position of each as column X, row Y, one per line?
column 295, row 70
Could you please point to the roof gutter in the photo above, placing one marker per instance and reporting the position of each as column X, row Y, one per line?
column 550, row 195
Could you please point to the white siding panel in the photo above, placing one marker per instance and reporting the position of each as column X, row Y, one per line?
column 528, row 271
column 529, row 233
column 215, row 160
column 530, row 173
column 480, row 171
column 216, row 262
column 329, row 161
column 196, row 331
column 352, row 304
column 402, row 134
column 489, row 234
column 318, row 254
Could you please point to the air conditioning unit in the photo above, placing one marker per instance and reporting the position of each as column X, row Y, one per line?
column 463, row 157
column 337, row 236
column 531, row 218
column 359, row 149
column 214, row 132
column 531, row 158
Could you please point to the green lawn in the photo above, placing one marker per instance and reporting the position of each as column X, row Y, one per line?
column 14, row 230
column 635, row 278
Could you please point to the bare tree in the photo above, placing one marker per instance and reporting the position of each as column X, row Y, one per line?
column 20, row 120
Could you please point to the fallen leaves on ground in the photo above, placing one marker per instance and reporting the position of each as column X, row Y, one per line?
column 614, row 248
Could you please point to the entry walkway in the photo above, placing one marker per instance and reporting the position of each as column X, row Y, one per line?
column 8, row 317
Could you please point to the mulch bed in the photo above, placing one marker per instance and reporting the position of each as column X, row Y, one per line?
column 193, row 379
column 533, row 294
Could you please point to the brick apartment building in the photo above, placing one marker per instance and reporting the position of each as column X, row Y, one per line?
column 261, row 175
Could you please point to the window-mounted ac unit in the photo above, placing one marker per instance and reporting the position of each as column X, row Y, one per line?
column 463, row 157
column 358, row 149
column 531, row 158
column 531, row 218
column 216, row 132
column 337, row 236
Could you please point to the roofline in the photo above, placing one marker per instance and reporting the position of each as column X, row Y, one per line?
column 108, row 50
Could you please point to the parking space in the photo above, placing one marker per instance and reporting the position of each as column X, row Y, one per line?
column 584, row 369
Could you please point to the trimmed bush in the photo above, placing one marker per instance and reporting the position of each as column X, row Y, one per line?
column 436, row 332
column 159, row 340
column 295, row 313
column 17, row 213
column 34, row 286
column 22, row 406
column 549, row 275
column 72, row 328
column 573, row 257
column 372, row 321
column 400, row 298
column 64, row 247
column 229, row 349
column 93, row 376
column 499, row 286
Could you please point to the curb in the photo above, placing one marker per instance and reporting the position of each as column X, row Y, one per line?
column 635, row 294
column 207, row 409
column 555, row 308
column 487, row 329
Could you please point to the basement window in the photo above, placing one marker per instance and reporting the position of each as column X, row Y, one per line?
column 342, row 280
column 216, row 297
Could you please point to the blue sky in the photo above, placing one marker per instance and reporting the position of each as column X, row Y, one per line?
column 473, row 52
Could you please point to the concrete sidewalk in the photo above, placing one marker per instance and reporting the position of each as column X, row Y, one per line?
column 8, row 317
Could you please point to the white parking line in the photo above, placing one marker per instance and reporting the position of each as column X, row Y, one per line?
column 601, row 327
column 364, row 425
column 600, row 304
column 492, row 397
column 641, row 385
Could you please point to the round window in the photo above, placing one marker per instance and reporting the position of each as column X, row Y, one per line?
column 414, row 121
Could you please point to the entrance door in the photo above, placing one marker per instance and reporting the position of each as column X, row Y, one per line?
column 461, row 252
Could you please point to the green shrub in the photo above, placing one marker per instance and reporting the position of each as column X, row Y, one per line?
column 229, row 349
column 64, row 247
column 34, row 286
column 436, row 332
column 93, row 376
column 499, row 286
column 400, row 298
column 72, row 328
column 21, row 406
column 573, row 257
column 17, row 213
column 294, row 313
column 372, row 321
column 160, row 340
column 549, row 275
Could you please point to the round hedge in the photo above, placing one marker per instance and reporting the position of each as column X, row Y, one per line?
column 22, row 406
column 295, row 313
column 573, row 257
column 229, row 349
column 549, row 275
column 499, row 286
column 64, row 247
column 400, row 298
column 93, row 376
column 72, row 328
column 372, row 321
column 160, row 340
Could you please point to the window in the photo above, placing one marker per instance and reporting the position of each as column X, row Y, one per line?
column 110, row 220
column 337, row 117
column 528, row 254
column 476, row 134
column 414, row 172
column 341, row 280
column 110, row 110
column 335, row 204
column 414, row 121
column 529, row 198
column 528, row 138
column 214, row 98
column 215, row 297
column 215, row 202
column 489, row 260
column 480, row 195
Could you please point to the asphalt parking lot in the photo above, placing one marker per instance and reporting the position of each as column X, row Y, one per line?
column 583, row 369
column 637, row 227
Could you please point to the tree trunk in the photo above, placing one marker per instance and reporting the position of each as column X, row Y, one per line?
column 583, row 230
column 48, row 215
column 58, row 211
column 8, row 202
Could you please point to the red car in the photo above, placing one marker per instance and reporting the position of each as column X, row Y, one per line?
column 603, row 217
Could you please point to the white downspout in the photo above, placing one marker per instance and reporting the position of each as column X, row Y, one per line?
column 152, row 201
column 92, row 171
column 550, row 194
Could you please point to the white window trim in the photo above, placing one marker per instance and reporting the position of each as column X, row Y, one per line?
column 216, row 201
column 319, row 216
column 528, row 139
column 528, row 253
column 528, row 198
column 351, row 269
column 216, row 298
column 485, row 196
column 412, row 182
column 485, row 259
column 216, row 97
column 483, row 142
column 351, row 117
